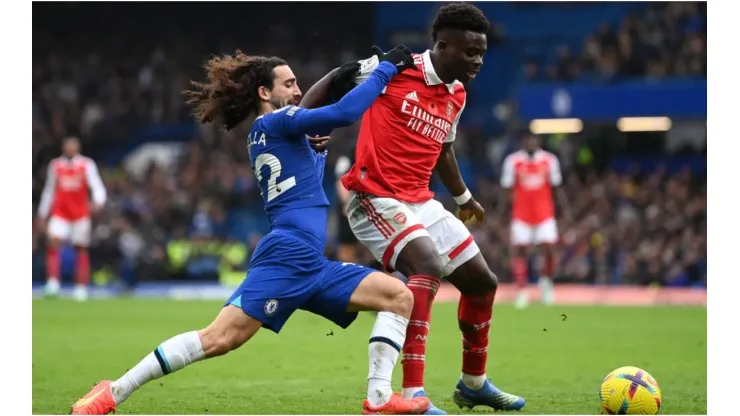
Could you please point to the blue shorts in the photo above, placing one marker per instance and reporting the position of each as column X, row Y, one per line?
column 287, row 272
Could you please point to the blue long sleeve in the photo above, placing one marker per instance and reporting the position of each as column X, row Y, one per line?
column 300, row 121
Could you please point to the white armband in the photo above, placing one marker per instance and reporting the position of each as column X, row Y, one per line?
column 465, row 197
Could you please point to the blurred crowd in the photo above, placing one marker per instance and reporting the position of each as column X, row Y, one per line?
column 200, row 216
column 632, row 228
column 664, row 39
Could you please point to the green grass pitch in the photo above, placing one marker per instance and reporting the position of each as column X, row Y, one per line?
column 556, row 365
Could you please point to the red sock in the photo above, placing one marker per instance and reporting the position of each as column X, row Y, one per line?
column 424, row 288
column 474, row 314
column 83, row 268
column 519, row 270
column 52, row 263
column 549, row 270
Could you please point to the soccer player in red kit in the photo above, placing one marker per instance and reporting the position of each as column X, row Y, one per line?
column 532, row 173
column 406, row 135
column 65, row 204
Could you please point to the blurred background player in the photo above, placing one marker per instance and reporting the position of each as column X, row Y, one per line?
column 64, row 212
column 531, row 173
column 405, row 136
column 347, row 242
column 287, row 270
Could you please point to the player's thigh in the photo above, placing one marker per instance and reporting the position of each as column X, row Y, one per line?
column 383, row 293
column 384, row 225
column 80, row 232
column 452, row 239
column 332, row 298
column 522, row 234
column 270, row 294
column 546, row 232
column 59, row 229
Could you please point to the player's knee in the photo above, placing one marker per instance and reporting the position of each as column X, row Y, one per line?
column 488, row 281
column 420, row 257
column 401, row 301
column 520, row 251
column 425, row 265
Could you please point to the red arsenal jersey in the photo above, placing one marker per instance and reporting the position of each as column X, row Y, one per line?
column 532, row 179
column 402, row 133
column 67, row 188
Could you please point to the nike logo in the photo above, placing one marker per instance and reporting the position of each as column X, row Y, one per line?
column 87, row 400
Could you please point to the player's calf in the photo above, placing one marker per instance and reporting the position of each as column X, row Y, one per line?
column 478, row 285
column 545, row 283
column 53, row 263
column 520, row 272
column 231, row 329
column 419, row 260
column 393, row 302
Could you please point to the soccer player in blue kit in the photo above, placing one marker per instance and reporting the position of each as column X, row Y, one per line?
column 288, row 270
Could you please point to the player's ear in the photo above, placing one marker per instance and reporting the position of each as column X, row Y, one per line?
column 263, row 93
column 441, row 45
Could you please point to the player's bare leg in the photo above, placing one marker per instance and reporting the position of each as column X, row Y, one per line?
column 419, row 261
column 393, row 301
column 230, row 330
column 53, row 263
column 82, row 274
column 520, row 272
column 477, row 285
column 545, row 283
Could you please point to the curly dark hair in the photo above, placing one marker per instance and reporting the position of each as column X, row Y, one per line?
column 460, row 16
column 229, row 95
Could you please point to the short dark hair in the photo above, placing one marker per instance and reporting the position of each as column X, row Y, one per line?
column 229, row 94
column 461, row 16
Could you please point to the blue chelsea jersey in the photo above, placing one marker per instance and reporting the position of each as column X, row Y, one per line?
column 289, row 172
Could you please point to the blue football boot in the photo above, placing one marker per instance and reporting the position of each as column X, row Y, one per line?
column 488, row 395
column 432, row 410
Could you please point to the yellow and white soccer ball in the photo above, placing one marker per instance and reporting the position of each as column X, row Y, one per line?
column 630, row 391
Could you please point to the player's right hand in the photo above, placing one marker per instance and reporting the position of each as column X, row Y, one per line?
column 318, row 143
column 400, row 56
column 41, row 224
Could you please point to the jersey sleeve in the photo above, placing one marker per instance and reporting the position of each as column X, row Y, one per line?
column 99, row 195
column 47, row 196
column 297, row 121
column 507, row 172
column 453, row 131
column 556, row 176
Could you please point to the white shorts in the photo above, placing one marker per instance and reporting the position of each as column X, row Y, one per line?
column 523, row 234
column 386, row 225
column 76, row 232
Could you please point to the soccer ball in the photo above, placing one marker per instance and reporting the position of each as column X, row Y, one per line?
column 630, row 391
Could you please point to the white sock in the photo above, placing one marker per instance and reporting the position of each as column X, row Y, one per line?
column 386, row 340
column 473, row 382
column 409, row 392
column 170, row 356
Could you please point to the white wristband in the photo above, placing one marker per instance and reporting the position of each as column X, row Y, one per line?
column 465, row 197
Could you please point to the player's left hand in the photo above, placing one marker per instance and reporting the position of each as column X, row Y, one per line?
column 96, row 208
column 318, row 144
column 344, row 79
column 471, row 212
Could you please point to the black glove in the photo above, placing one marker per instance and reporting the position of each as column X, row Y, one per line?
column 343, row 80
column 400, row 56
